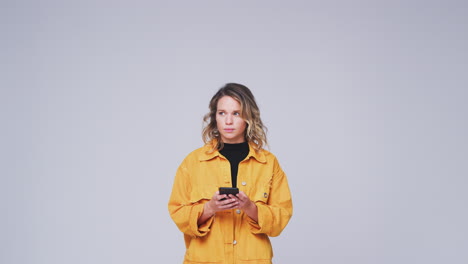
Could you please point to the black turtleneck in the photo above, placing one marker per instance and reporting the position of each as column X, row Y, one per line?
column 235, row 153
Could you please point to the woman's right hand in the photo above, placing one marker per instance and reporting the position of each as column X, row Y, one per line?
column 220, row 202
column 217, row 204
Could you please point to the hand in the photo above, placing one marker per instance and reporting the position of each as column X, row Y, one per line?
column 244, row 201
column 217, row 203
column 249, row 207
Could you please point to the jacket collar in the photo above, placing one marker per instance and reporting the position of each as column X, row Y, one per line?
column 206, row 155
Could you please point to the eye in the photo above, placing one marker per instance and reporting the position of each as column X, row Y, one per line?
column 237, row 114
column 220, row 113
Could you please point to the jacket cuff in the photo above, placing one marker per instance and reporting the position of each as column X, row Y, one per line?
column 203, row 229
column 265, row 220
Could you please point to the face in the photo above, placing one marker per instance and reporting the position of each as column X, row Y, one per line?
column 230, row 124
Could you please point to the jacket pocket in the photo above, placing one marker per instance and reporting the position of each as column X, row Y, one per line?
column 262, row 193
column 205, row 192
column 207, row 249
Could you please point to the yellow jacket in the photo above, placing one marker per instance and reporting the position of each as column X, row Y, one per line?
column 230, row 236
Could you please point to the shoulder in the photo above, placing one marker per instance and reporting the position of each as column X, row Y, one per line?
column 263, row 156
column 268, row 154
column 200, row 154
column 272, row 160
column 195, row 153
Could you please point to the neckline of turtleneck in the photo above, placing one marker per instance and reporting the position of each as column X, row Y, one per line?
column 236, row 146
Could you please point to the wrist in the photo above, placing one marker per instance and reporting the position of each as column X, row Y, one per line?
column 250, row 207
column 208, row 210
column 253, row 206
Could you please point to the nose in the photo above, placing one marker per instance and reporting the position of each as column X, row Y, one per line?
column 228, row 119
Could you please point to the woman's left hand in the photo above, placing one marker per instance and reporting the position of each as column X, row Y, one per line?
column 246, row 205
column 244, row 201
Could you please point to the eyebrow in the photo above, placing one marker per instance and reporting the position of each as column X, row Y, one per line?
column 217, row 110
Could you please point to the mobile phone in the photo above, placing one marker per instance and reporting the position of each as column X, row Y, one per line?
column 228, row 190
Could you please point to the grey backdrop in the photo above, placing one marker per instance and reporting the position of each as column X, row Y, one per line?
column 365, row 102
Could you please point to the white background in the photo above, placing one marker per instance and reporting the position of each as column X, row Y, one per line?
column 365, row 101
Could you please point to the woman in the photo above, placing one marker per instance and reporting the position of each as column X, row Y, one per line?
column 227, row 228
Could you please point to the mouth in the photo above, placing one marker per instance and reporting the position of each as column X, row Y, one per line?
column 229, row 130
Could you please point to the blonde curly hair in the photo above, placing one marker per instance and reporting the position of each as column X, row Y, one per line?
column 255, row 131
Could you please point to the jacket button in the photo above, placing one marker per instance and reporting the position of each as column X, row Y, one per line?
column 234, row 242
column 244, row 183
column 237, row 211
column 265, row 195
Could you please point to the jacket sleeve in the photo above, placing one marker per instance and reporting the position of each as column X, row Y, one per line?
column 183, row 211
column 274, row 214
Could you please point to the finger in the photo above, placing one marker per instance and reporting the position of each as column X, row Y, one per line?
column 242, row 195
column 215, row 195
column 232, row 196
column 220, row 197
column 231, row 202
column 232, row 206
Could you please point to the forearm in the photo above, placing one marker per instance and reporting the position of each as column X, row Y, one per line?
column 252, row 211
column 207, row 214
